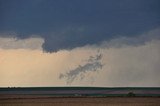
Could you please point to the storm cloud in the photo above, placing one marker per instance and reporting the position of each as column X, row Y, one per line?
column 120, row 62
column 70, row 24
column 80, row 43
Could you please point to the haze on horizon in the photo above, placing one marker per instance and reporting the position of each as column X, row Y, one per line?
column 109, row 43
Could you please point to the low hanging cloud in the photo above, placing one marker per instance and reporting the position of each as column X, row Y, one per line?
column 93, row 64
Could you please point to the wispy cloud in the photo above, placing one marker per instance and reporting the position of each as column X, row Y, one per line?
column 93, row 64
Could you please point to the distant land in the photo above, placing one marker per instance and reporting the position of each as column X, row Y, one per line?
column 80, row 91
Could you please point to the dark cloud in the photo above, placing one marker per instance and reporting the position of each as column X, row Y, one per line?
column 75, row 23
column 93, row 64
column 132, row 41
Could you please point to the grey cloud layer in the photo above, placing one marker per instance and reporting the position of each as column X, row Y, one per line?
column 131, row 41
column 69, row 24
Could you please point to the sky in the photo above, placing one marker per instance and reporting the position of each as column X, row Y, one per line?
column 110, row 43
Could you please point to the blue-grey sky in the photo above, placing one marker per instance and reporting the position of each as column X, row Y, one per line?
column 66, row 24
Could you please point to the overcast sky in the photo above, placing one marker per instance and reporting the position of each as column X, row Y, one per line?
column 79, row 43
